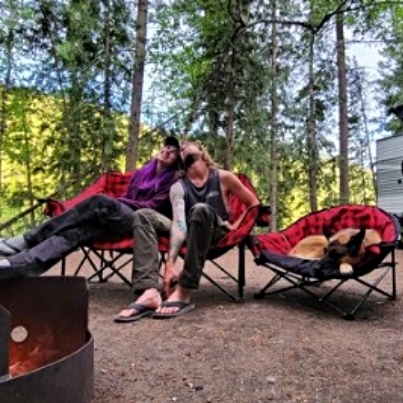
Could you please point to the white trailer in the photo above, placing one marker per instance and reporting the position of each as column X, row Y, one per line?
column 389, row 174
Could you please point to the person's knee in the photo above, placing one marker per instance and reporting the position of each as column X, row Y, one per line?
column 143, row 216
column 95, row 202
column 97, row 198
column 96, row 206
column 199, row 211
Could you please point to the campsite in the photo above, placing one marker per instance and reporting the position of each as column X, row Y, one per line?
column 135, row 134
column 280, row 349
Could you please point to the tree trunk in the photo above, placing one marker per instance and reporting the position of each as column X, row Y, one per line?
column 367, row 134
column 213, row 126
column 137, row 85
column 73, row 123
column 241, row 12
column 230, row 118
column 4, row 96
column 107, row 138
column 311, row 135
column 27, row 152
column 273, row 174
column 229, row 150
column 343, row 110
column 192, row 116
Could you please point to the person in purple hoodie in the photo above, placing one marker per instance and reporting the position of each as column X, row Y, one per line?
column 97, row 218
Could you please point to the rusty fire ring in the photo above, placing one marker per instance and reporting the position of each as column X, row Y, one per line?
column 46, row 350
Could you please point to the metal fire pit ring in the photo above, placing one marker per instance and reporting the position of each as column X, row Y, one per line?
column 46, row 350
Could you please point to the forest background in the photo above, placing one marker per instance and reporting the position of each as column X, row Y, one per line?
column 268, row 86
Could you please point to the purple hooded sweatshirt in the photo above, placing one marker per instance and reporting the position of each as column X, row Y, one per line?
column 146, row 189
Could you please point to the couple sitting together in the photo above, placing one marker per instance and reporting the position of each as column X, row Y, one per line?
column 192, row 208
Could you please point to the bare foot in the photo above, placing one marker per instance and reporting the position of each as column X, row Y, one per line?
column 179, row 295
column 150, row 298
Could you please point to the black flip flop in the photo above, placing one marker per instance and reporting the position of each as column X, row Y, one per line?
column 142, row 312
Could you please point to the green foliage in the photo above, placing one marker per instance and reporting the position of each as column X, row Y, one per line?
column 71, row 62
column 36, row 156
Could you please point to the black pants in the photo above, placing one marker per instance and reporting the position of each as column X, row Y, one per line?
column 98, row 218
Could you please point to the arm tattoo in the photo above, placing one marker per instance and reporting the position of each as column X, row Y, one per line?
column 179, row 227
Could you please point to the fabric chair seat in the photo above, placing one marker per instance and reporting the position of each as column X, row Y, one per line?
column 271, row 250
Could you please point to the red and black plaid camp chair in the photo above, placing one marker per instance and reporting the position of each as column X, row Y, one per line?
column 110, row 254
column 104, row 258
column 271, row 251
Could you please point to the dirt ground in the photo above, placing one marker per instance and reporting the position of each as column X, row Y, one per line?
column 283, row 348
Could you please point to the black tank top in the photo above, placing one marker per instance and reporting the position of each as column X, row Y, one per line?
column 209, row 193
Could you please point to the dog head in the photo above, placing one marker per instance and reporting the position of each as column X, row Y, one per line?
column 343, row 250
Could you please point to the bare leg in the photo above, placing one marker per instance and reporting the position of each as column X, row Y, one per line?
column 150, row 298
column 180, row 294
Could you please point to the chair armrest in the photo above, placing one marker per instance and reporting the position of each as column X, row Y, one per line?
column 263, row 218
column 53, row 207
column 235, row 236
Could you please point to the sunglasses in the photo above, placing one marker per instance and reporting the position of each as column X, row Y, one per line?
column 190, row 159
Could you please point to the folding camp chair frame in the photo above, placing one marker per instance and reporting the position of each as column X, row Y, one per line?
column 238, row 279
column 305, row 284
column 107, row 267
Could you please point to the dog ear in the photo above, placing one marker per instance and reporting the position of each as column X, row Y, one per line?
column 326, row 231
column 354, row 244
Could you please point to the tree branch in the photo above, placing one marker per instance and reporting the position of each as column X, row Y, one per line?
column 313, row 28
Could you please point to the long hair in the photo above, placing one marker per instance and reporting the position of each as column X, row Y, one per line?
column 205, row 154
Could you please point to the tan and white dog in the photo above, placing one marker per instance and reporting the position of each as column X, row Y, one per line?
column 344, row 249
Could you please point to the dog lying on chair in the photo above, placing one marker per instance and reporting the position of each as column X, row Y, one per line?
column 312, row 247
column 343, row 249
